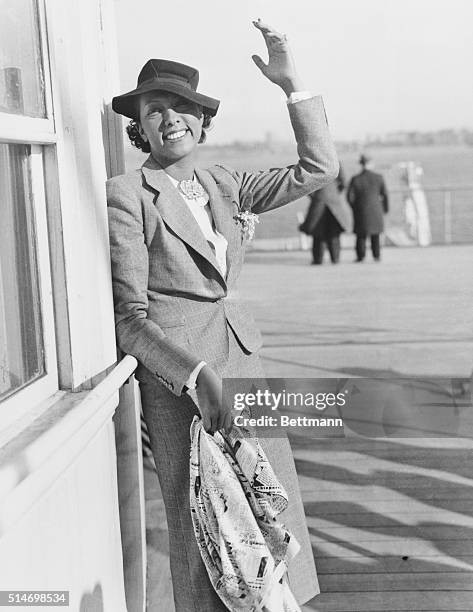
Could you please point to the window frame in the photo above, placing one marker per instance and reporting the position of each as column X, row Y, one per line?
column 20, row 401
column 37, row 133
column 33, row 130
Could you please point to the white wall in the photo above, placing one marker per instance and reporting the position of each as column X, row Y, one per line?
column 59, row 493
column 68, row 540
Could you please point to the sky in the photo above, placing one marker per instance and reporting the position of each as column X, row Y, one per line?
column 380, row 65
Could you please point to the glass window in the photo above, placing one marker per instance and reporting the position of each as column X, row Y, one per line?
column 22, row 90
column 21, row 343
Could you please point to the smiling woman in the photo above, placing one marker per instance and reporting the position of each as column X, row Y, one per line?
column 154, row 109
column 171, row 124
column 178, row 238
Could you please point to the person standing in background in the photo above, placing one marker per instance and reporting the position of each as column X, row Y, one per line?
column 327, row 217
column 368, row 197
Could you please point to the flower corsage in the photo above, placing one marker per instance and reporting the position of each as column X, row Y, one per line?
column 247, row 219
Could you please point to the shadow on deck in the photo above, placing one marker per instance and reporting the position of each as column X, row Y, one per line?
column 391, row 520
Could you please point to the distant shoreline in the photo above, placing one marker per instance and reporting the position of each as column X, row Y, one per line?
column 341, row 145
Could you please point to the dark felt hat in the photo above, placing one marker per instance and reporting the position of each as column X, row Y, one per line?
column 165, row 75
column 364, row 159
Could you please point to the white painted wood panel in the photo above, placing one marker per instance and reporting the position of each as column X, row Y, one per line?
column 78, row 83
column 70, row 538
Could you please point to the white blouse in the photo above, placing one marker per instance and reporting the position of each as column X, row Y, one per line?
column 200, row 208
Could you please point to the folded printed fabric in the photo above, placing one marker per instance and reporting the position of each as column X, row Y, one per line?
column 235, row 499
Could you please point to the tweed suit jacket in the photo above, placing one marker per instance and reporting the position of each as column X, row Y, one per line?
column 172, row 303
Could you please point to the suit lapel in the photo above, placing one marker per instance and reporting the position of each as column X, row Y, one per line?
column 176, row 213
column 221, row 205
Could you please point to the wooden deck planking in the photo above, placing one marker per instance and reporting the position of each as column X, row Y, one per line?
column 417, row 564
column 339, row 492
column 362, row 484
column 391, row 533
column 459, row 508
column 373, row 518
column 389, row 601
column 385, row 446
column 381, row 582
column 407, row 547
column 359, row 553
column 391, row 524
column 361, row 463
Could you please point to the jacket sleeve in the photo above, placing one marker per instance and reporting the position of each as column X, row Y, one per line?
column 351, row 193
column 341, row 181
column 136, row 334
column 384, row 196
column 317, row 165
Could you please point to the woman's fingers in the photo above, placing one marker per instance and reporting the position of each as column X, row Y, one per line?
column 259, row 62
column 221, row 419
column 228, row 423
column 210, row 416
column 223, row 424
column 269, row 34
column 209, row 395
column 275, row 41
column 265, row 28
column 217, row 419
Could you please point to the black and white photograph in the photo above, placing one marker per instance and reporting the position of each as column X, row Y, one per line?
column 236, row 306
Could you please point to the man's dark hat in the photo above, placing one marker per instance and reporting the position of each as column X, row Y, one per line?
column 364, row 159
column 165, row 75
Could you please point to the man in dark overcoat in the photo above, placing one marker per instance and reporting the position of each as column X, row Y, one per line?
column 327, row 217
column 368, row 198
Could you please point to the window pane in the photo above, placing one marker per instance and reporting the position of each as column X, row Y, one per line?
column 21, row 72
column 21, row 345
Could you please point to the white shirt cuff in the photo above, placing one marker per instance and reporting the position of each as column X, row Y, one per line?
column 298, row 96
column 191, row 381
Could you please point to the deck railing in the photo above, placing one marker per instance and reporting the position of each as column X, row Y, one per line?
column 450, row 212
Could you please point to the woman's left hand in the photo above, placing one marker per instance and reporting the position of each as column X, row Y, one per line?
column 280, row 68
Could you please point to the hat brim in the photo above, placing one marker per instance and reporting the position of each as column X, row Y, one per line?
column 126, row 103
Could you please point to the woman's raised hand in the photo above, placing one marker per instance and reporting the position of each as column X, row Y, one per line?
column 280, row 68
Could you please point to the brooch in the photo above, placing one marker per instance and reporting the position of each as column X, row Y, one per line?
column 192, row 189
column 247, row 219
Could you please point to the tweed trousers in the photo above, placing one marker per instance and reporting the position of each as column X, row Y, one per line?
column 168, row 418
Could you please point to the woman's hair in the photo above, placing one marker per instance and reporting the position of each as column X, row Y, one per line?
column 137, row 141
